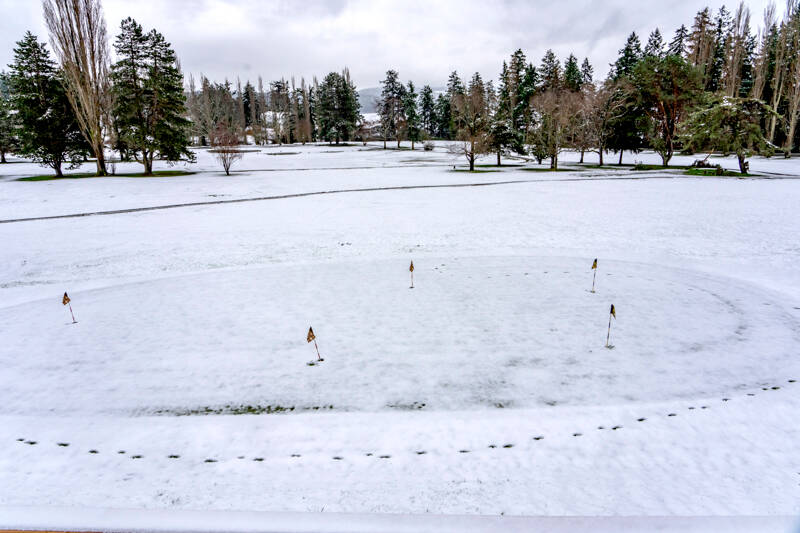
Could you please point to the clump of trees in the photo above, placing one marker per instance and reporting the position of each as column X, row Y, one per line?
column 59, row 113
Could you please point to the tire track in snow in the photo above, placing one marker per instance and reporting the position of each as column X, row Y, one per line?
column 341, row 191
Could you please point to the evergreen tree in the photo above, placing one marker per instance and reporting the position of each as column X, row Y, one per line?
column 427, row 111
column 336, row 107
column 390, row 106
column 629, row 56
column 455, row 90
column 550, row 71
column 729, row 125
column 587, row 72
column 149, row 103
column 411, row 113
column 573, row 79
column 665, row 88
column 655, row 45
column 8, row 134
column 443, row 116
column 721, row 44
column 677, row 47
column 48, row 130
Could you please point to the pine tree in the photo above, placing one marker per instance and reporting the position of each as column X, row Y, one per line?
column 412, row 118
column 729, row 125
column 677, row 47
column 587, row 72
column 390, row 106
column 48, row 130
column 629, row 56
column 573, row 80
column 472, row 121
column 336, row 108
column 550, row 71
column 721, row 44
column 8, row 134
column 443, row 115
column 427, row 111
column 655, row 45
column 150, row 106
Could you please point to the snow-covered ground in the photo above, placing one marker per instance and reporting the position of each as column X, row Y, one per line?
column 484, row 390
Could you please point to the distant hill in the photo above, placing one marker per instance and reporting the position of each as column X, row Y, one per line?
column 367, row 97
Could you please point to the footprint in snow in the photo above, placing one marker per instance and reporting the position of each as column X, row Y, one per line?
column 421, row 452
column 178, row 456
column 258, row 459
column 641, row 419
column 63, row 444
column 508, row 445
column 94, row 452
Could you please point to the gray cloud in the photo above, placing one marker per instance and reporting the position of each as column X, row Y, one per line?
column 423, row 40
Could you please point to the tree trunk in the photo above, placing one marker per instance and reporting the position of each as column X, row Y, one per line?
column 620, row 158
column 148, row 164
column 384, row 144
column 553, row 162
column 398, row 143
column 581, row 161
column 600, row 153
column 498, row 158
column 101, row 163
column 412, row 144
column 742, row 163
column 3, row 157
column 57, row 168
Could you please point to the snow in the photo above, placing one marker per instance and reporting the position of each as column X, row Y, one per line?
column 191, row 315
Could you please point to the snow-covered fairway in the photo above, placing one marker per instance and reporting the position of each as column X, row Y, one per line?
column 486, row 389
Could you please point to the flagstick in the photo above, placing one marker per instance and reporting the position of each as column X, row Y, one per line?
column 317, row 347
column 412, row 280
column 608, row 336
column 73, row 314
column 594, row 276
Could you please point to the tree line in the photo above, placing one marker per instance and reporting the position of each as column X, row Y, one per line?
column 713, row 86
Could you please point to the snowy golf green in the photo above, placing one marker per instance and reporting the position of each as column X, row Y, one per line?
column 485, row 389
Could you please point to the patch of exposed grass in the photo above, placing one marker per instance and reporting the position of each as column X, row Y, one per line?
column 712, row 172
column 476, row 171
column 642, row 166
column 548, row 169
column 83, row 175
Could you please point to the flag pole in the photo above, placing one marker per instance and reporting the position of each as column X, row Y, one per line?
column 71, row 313
column 317, row 347
column 608, row 335
column 594, row 276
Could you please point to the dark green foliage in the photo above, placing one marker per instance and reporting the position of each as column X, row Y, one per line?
column 337, row 111
column 629, row 57
column 655, row 45
column 587, row 72
column 550, row 71
column 149, row 103
column 8, row 134
column 390, row 106
column 48, row 131
column 443, row 114
column 427, row 111
column 664, row 88
column 677, row 47
column 411, row 128
column 729, row 125
column 573, row 79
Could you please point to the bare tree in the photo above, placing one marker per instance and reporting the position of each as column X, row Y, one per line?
column 78, row 36
column 225, row 147
column 556, row 110
column 763, row 58
column 472, row 120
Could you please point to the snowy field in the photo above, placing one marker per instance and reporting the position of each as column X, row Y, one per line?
column 484, row 390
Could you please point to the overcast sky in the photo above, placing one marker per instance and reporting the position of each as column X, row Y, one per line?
column 423, row 40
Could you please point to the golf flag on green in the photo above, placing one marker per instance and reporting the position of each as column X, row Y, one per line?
column 66, row 301
column 594, row 270
column 311, row 337
column 411, row 269
column 612, row 312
